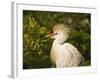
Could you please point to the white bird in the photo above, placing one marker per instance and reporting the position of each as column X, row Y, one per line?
column 63, row 54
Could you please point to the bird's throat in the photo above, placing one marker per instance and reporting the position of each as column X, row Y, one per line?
column 58, row 42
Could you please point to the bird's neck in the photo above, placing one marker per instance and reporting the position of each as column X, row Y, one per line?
column 58, row 42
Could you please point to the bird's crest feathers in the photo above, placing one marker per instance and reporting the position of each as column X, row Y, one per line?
column 61, row 27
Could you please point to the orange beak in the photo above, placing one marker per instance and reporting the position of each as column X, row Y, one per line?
column 51, row 34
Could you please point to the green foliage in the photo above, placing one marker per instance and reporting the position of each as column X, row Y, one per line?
column 36, row 25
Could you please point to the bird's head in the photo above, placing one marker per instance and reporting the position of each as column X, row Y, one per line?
column 60, row 32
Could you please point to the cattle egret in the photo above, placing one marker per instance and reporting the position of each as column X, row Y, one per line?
column 63, row 54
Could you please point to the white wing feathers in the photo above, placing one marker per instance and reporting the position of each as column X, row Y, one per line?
column 68, row 56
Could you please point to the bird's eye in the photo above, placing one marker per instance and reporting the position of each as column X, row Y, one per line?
column 56, row 33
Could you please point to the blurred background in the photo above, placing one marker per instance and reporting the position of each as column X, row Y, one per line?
column 37, row 24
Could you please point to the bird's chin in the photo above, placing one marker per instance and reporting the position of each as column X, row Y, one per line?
column 52, row 37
